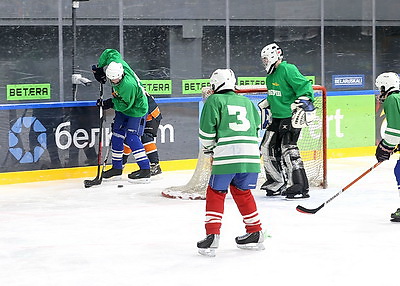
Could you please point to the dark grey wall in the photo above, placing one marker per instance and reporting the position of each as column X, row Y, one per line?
column 186, row 39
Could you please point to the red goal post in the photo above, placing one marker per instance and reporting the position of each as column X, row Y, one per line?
column 312, row 144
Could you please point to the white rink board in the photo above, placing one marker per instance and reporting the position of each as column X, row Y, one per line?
column 59, row 233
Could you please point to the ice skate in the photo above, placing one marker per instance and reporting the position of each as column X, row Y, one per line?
column 141, row 176
column 112, row 174
column 251, row 241
column 269, row 193
column 295, row 192
column 395, row 217
column 155, row 169
column 208, row 245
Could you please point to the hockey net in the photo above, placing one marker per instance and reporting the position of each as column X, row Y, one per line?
column 312, row 144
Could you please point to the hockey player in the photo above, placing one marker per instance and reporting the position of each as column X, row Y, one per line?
column 130, row 104
column 228, row 133
column 288, row 108
column 388, row 84
column 148, row 138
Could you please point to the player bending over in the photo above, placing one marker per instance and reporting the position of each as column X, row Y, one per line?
column 130, row 104
column 388, row 84
column 229, row 124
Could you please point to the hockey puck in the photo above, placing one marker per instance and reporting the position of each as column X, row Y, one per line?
column 120, row 186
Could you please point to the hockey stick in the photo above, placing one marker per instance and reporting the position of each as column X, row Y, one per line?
column 313, row 211
column 97, row 181
column 99, row 176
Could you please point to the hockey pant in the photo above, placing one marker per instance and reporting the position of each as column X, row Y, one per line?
column 282, row 162
column 148, row 140
column 215, row 209
column 397, row 174
column 128, row 129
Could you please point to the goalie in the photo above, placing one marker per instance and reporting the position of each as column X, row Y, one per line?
column 288, row 108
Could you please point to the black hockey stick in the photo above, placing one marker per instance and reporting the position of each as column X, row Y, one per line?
column 98, row 180
column 313, row 211
column 99, row 176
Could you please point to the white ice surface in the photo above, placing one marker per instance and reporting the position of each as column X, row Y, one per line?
column 59, row 233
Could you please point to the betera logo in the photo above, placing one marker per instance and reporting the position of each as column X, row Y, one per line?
column 23, row 127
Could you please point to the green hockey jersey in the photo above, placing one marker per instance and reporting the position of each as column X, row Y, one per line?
column 229, row 125
column 285, row 85
column 129, row 95
column 391, row 106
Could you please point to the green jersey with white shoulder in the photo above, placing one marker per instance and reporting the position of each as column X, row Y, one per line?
column 285, row 85
column 391, row 106
column 229, row 125
column 129, row 94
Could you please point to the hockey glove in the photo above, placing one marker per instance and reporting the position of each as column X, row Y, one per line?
column 303, row 112
column 99, row 74
column 383, row 151
column 266, row 115
column 105, row 104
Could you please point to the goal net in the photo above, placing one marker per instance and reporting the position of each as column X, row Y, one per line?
column 312, row 144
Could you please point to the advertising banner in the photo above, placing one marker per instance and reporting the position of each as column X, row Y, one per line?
column 63, row 137
column 28, row 91
column 51, row 138
column 348, row 81
column 351, row 121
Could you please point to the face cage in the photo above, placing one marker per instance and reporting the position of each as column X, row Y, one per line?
column 265, row 62
column 381, row 97
column 117, row 82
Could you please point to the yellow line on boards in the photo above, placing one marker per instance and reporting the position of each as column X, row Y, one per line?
column 83, row 172
column 174, row 165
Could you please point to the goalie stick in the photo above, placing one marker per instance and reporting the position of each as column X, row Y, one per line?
column 313, row 211
column 99, row 176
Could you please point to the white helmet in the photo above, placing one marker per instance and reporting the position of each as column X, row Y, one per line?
column 114, row 71
column 270, row 54
column 387, row 83
column 222, row 79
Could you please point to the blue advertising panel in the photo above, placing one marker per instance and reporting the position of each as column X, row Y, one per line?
column 348, row 81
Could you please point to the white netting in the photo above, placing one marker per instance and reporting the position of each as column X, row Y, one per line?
column 311, row 145
column 195, row 188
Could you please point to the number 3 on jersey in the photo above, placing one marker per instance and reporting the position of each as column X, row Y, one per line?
column 242, row 123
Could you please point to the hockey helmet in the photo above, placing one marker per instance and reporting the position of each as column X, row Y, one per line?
column 114, row 71
column 387, row 83
column 222, row 79
column 270, row 54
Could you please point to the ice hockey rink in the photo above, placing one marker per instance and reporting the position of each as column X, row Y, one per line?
column 59, row 233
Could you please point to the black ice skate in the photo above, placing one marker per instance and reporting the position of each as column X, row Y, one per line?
column 395, row 217
column 155, row 169
column 269, row 193
column 296, row 192
column 112, row 174
column 251, row 241
column 208, row 245
column 141, row 176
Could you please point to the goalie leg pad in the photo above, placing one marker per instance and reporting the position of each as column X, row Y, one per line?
column 271, row 154
column 293, row 164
